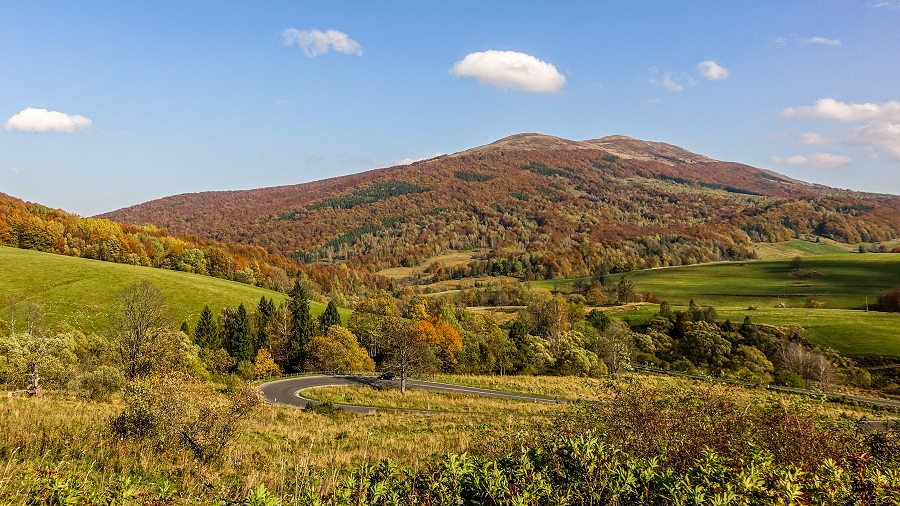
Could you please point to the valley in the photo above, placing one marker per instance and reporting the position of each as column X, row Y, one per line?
column 141, row 342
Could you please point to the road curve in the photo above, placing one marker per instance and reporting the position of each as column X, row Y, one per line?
column 287, row 391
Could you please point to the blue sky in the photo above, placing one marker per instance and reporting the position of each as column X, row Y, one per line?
column 179, row 97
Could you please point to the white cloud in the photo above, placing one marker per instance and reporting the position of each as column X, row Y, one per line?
column 316, row 42
column 777, row 42
column 821, row 40
column 817, row 160
column 883, row 135
column 652, row 103
column 881, row 122
column 669, row 84
column 829, row 108
column 42, row 120
column 16, row 169
column 506, row 70
column 407, row 161
column 314, row 158
column 812, row 138
column 884, row 4
column 712, row 70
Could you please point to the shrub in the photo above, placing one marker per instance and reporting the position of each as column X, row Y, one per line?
column 890, row 301
column 102, row 383
column 678, row 425
column 175, row 412
column 787, row 378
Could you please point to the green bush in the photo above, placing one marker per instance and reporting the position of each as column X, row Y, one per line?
column 102, row 383
column 787, row 378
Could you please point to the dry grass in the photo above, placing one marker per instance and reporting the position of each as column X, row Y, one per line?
column 413, row 399
column 280, row 447
column 451, row 259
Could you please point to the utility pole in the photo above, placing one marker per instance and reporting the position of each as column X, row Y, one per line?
column 867, row 303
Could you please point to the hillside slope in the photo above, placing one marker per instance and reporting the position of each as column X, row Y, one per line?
column 543, row 207
column 81, row 292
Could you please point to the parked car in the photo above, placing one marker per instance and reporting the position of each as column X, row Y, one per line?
column 387, row 375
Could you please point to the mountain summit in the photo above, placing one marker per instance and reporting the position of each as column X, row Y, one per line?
column 541, row 206
column 618, row 145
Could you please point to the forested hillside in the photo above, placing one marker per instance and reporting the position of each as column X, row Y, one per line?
column 33, row 226
column 543, row 206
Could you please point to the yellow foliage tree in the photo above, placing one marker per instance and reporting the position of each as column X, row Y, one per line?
column 444, row 338
column 265, row 365
column 337, row 351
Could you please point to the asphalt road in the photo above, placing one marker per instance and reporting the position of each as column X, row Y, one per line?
column 288, row 391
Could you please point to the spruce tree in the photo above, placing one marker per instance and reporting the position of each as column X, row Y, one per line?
column 329, row 317
column 264, row 311
column 206, row 333
column 241, row 343
column 304, row 327
column 518, row 336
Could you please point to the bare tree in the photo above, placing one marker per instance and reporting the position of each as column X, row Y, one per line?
column 822, row 370
column 142, row 325
column 808, row 364
column 406, row 350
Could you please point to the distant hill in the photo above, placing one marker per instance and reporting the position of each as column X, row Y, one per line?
column 37, row 227
column 541, row 206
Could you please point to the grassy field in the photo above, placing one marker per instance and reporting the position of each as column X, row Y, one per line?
column 451, row 259
column 81, row 292
column 802, row 248
column 845, row 281
column 391, row 398
column 846, row 284
column 281, row 446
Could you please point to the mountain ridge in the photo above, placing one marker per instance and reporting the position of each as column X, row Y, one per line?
column 574, row 205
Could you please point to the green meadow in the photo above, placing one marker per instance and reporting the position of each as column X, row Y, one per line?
column 844, row 283
column 82, row 292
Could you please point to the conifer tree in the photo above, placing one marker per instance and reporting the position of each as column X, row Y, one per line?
column 264, row 311
column 518, row 336
column 304, row 327
column 206, row 333
column 241, row 342
column 329, row 317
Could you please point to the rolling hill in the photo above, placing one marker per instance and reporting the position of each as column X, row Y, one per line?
column 846, row 284
column 81, row 292
column 538, row 206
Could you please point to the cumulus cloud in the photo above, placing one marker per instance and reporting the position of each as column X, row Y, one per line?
column 822, row 40
column 316, row 42
column 712, row 70
column 510, row 70
column 880, row 129
column 817, row 160
column 42, row 120
column 407, row 161
column 829, row 108
column 812, row 138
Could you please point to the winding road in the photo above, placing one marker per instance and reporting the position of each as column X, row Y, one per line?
column 288, row 391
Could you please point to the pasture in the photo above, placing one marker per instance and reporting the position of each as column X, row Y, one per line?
column 82, row 292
